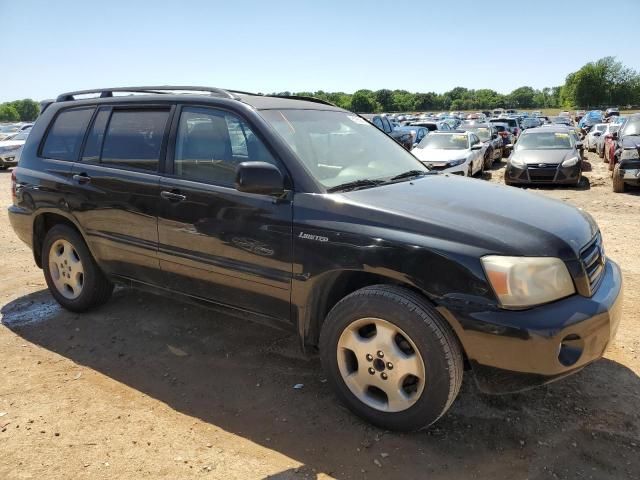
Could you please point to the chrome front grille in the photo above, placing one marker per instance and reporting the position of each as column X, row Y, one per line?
column 593, row 262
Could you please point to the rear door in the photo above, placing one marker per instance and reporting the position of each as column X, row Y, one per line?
column 117, row 188
column 217, row 243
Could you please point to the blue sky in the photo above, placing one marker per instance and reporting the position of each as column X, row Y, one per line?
column 54, row 46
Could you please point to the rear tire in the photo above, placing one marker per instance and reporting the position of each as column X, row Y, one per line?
column 72, row 275
column 381, row 324
column 618, row 183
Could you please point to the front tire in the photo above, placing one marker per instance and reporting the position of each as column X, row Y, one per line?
column 72, row 275
column 618, row 182
column 391, row 358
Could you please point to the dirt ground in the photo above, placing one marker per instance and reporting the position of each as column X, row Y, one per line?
column 146, row 387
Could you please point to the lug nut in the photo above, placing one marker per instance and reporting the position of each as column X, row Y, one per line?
column 372, row 371
column 369, row 357
column 390, row 365
column 383, row 375
column 380, row 353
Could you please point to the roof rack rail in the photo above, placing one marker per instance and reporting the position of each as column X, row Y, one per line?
column 305, row 98
column 163, row 89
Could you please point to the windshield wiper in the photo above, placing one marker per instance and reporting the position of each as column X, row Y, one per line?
column 362, row 183
column 410, row 173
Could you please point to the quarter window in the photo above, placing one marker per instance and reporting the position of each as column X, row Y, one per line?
column 210, row 144
column 65, row 137
column 134, row 138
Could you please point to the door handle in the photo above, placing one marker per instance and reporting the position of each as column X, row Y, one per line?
column 172, row 196
column 82, row 178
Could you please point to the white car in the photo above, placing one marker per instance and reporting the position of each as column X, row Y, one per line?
column 460, row 153
column 592, row 137
column 9, row 149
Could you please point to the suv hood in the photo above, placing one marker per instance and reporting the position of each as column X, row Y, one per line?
column 554, row 157
column 437, row 157
column 493, row 218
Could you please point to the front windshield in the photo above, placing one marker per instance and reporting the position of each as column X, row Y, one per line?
column 483, row 133
column 632, row 127
column 544, row 141
column 339, row 147
column 445, row 141
column 601, row 127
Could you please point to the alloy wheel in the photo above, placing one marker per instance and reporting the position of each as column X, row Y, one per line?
column 66, row 269
column 381, row 365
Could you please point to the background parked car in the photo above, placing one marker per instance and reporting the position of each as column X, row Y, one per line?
column 591, row 138
column 544, row 155
column 488, row 134
column 530, row 122
column 460, row 153
column 432, row 125
column 611, row 112
column 402, row 137
column 9, row 148
column 513, row 124
column 600, row 139
column 624, row 156
column 417, row 132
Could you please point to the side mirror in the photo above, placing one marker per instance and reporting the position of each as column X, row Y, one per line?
column 597, row 134
column 477, row 146
column 494, row 136
column 259, row 177
column 579, row 145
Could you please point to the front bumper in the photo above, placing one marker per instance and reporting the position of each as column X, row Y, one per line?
column 631, row 175
column 549, row 174
column 511, row 351
column 8, row 160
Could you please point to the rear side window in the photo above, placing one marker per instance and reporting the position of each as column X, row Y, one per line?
column 134, row 139
column 65, row 136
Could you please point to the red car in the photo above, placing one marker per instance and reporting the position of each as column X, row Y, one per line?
column 610, row 148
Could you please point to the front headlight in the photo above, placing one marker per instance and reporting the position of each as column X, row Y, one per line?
column 570, row 162
column 516, row 162
column 520, row 282
column 455, row 163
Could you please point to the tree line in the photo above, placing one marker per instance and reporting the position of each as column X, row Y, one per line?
column 19, row 111
column 605, row 82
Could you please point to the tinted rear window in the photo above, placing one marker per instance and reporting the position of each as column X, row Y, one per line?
column 65, row 136
column 134, row 138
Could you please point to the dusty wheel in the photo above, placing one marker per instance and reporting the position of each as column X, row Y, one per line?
column 73, row 277
column 618, row 182
column 391, row 358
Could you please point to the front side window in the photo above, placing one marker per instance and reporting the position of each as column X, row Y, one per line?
column 211, row 143
column 134, row 139
column 338, row 147
column 65, row 136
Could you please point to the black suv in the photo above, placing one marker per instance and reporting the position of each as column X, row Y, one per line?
column 626, row 161
column 303, row 215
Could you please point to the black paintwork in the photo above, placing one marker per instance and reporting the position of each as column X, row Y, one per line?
column 287, row 259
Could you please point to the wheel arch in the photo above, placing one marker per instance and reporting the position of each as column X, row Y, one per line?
column 331, row 287
column 45, row 221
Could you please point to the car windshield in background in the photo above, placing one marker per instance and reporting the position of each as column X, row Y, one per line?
column 483, row 133
column 632, row 127
column 601, row 127
column 338, row 147
column 544, row 141
column 511, row 122
column 445, row 141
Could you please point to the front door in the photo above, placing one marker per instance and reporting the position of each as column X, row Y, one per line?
column 217, row 243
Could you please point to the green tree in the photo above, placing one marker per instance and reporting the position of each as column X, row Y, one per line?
column 362, row 102
column 384, row 97
column 27, row 109
column 522, row 97
column 8, row 113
